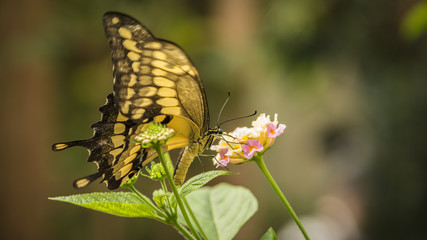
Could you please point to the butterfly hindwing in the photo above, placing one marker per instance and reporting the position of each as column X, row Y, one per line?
column 109, row 146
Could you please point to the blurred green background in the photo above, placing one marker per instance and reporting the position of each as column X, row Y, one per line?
column 348, row 78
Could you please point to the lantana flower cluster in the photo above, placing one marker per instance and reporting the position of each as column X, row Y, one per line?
column 156, row 133
column 244, row 143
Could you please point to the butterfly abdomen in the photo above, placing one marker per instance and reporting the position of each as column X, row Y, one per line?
column 184, row 161
column 186, row 158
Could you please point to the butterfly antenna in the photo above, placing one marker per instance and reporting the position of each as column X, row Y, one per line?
column 250, row 115
column 222, row 108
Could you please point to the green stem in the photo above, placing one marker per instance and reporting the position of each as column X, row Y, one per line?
column 183, row 231
column 260, row 161
column 165, row 188
column 175, row 192
column 171, row 210
column 134, row 190
column 190, row 211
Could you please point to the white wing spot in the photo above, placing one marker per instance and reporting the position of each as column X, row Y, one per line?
column 145, row 80
column 131, row 45
column 166, row 92
column 125, row 33
column 154, row 45
column 168, row 102
column 147, row 91
column 133, row 56
column 163, row 82
column 115, row 20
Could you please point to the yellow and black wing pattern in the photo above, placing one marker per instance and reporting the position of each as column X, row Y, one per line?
column 154, row 80
column 110, row 147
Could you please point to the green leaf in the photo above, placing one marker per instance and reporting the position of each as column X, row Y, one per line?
column 131, row 181
column 222, row 210
column 269, row 235
column 160, row 197
column 199, row 180
column 117, row 203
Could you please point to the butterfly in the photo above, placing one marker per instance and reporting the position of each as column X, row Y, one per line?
column 154, row 80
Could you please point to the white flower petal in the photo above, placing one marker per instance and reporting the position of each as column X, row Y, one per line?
column 261, row 121
column 275, row 119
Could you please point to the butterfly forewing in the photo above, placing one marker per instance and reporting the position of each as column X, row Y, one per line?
column 152, row 76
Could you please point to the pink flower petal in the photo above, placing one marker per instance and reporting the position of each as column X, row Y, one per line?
column 273, row 131
column 280, row 129
column 223, row 158
column 251, row 147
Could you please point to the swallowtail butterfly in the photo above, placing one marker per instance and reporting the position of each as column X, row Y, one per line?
column 154, row 80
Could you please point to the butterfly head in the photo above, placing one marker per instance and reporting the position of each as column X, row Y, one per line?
column 215, row 131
